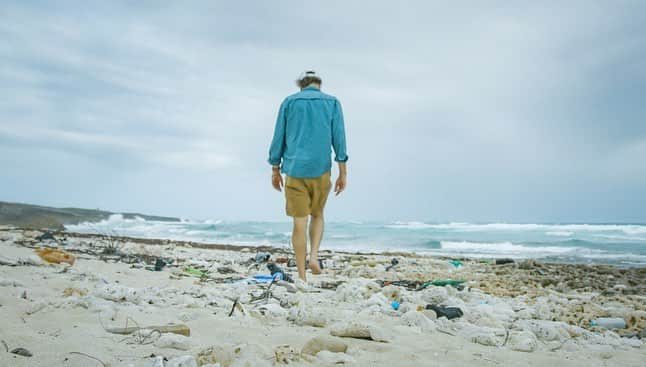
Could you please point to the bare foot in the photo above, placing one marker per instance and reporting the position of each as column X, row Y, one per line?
column 315, row 268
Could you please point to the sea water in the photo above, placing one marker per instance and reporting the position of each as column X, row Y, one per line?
column 619, row 244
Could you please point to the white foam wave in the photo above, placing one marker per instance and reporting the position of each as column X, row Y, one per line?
column 630, row 229
column 559, row 233
column 501, row 247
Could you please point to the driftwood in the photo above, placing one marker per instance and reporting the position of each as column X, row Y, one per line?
column 180, row 329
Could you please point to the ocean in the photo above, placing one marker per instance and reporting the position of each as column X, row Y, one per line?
column 617, row 244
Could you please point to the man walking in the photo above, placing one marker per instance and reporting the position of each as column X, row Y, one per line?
column 308, row 124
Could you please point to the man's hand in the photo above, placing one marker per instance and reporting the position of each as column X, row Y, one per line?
column 340, row 185
column 276, row 178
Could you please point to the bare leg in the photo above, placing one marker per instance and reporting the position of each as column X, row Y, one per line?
column 316, row 235
column 299, row 242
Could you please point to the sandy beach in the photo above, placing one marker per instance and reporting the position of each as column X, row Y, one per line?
column 361, row 311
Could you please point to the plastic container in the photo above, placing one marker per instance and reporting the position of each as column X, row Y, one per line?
column 609, row 322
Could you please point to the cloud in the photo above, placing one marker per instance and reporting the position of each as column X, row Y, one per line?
column 468, row 112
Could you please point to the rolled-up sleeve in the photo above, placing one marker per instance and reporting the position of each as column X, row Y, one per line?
column 338, row 134
column 277, row 147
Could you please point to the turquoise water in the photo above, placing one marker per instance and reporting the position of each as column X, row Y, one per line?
column 620, row 244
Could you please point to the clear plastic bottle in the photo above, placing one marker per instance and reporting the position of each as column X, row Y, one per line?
column 609, row 322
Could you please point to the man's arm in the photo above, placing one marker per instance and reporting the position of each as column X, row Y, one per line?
column 338, row 134
column 339, row 186
column 339, row 146
column 277, row 147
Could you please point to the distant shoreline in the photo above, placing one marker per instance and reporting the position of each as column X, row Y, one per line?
column 43, row 217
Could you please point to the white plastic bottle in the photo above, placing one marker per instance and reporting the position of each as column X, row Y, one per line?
column 609, row 322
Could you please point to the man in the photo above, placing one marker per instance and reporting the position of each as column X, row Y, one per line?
column 308, row 124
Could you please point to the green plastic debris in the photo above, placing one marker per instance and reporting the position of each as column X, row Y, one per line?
column 193, row 271
column 441, row 283
column 456, row 263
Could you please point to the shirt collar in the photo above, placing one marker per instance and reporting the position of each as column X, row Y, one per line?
column 312, row 88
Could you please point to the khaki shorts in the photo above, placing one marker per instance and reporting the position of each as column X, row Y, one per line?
column 307, row 196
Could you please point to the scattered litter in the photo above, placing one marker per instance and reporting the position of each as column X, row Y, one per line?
column 504, row 261
column 441, row 283
column 393, row 263
column 448, row 312
column 226, row 270
column 268, row 278
column 196, row 272
column 22, row 352
column 262, row 257
column 56, row 256
column 159, row 264
column 609, row 322
column 275, row 269
column 456, row 263
column 48, row 235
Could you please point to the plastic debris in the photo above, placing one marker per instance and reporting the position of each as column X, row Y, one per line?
column 504, row 261
column 275, row 269
column 192, row 271
column 56, row 256
column 456, row 263
column 22, row 352
column 448, row 312
column 262, row 257
column 393, row 263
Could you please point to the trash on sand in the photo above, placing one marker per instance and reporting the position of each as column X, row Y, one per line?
column 441, row 283
column 159, row 264
column 395, row 305
column 226, row 270
column 22, row 352
column 268, row 278
column 456, row 263
column 393, row 263
column 262, row 257
column 192, row 271
column 448, row 312
column 46, row 236
column 55, row 256
column 274, row 269
column 504, row 261
column 180, row 329
column 609, row 323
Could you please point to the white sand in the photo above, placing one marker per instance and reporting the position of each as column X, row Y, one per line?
column 60, row 325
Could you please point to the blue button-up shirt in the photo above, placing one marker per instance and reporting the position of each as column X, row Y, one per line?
column 309, row 123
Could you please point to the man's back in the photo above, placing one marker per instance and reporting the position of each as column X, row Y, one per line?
column 309, row 123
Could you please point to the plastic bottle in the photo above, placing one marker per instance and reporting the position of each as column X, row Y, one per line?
column 609, row 322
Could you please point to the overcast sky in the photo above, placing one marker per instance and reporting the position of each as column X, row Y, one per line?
column 479, row 111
